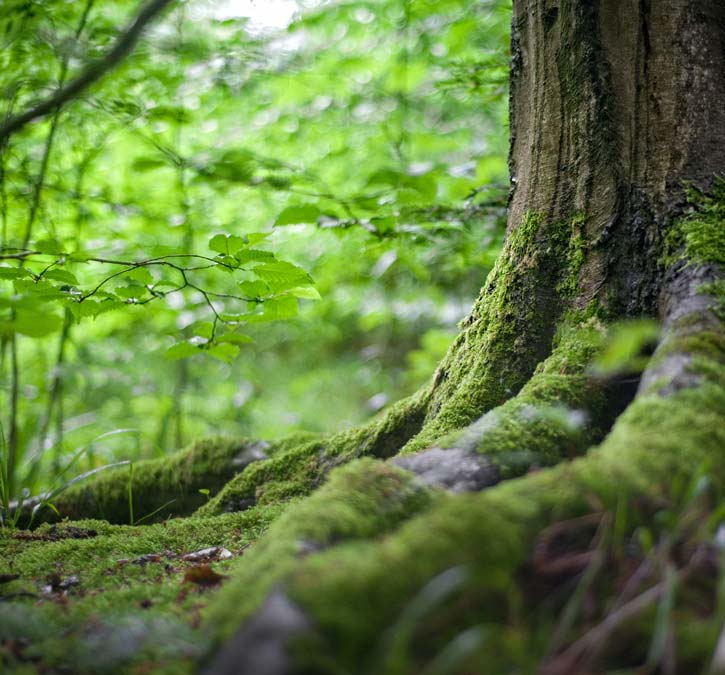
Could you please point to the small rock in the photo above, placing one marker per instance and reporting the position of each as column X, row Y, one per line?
column 454, row 469
column 67, row 583
column 259, row 647
column 205, row 554
column 253, row 452
column 56, row 583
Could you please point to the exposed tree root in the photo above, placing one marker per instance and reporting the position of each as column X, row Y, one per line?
column 403, row 557
column 671, row 435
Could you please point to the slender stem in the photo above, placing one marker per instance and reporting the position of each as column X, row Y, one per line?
column 13, row 422
column 182, row 367
column 55, row 392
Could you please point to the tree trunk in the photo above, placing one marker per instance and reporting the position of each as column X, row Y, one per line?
column 616, row 108
column 616, row 212
column 617, row 116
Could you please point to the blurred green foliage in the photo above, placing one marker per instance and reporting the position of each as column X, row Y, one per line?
column 239, row 231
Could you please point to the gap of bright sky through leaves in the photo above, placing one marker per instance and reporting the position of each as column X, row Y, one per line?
column 262, row 14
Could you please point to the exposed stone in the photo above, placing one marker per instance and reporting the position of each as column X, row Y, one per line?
column 252, row 452
column 455, row 469
column 259, row 647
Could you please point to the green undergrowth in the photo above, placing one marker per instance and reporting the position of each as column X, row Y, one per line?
column 93, row 597
column 510, row 331
column 394, row 576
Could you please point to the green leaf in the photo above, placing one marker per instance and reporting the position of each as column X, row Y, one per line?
column 305, row 292
column 278, row 182
column 628, row 346
column 224, row 352
column 228, row 317
column 181, row 350
column 140, row 275
column 130, row 292
column 92, row 308
column 50, row 246
column 248, row 255
column 255, row 237
column 254, row 289
column 37, row 324
column 31, row 292
column 226, row 244
column 274, row 309
column 61, row 275
column 296, row 215
column 203, row 329
column 148, row 163
column 282, row 275
column 234, row 338
column 422, row 186
column 13, row 272
column 235, row 166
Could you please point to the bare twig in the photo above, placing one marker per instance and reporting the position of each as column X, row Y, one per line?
column 92, row 73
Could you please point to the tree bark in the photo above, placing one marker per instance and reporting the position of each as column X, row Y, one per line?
column 616, row 106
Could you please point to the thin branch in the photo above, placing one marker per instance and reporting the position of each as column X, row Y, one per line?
column 93, row 72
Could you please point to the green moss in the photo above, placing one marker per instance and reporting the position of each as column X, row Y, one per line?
column 297, row 469
column 700, row 236
column 132, row 611
column 354, row 591
column 703, row 343
column 361, row 501
column 576, row 254
column 171, row 484
column 291, row 471
column 509, row 331
column 557, row 415
column 715, row 289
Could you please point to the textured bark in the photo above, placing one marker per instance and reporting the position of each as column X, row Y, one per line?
column 616, row 106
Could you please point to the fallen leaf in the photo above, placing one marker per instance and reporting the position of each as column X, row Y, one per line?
column 202, row 575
